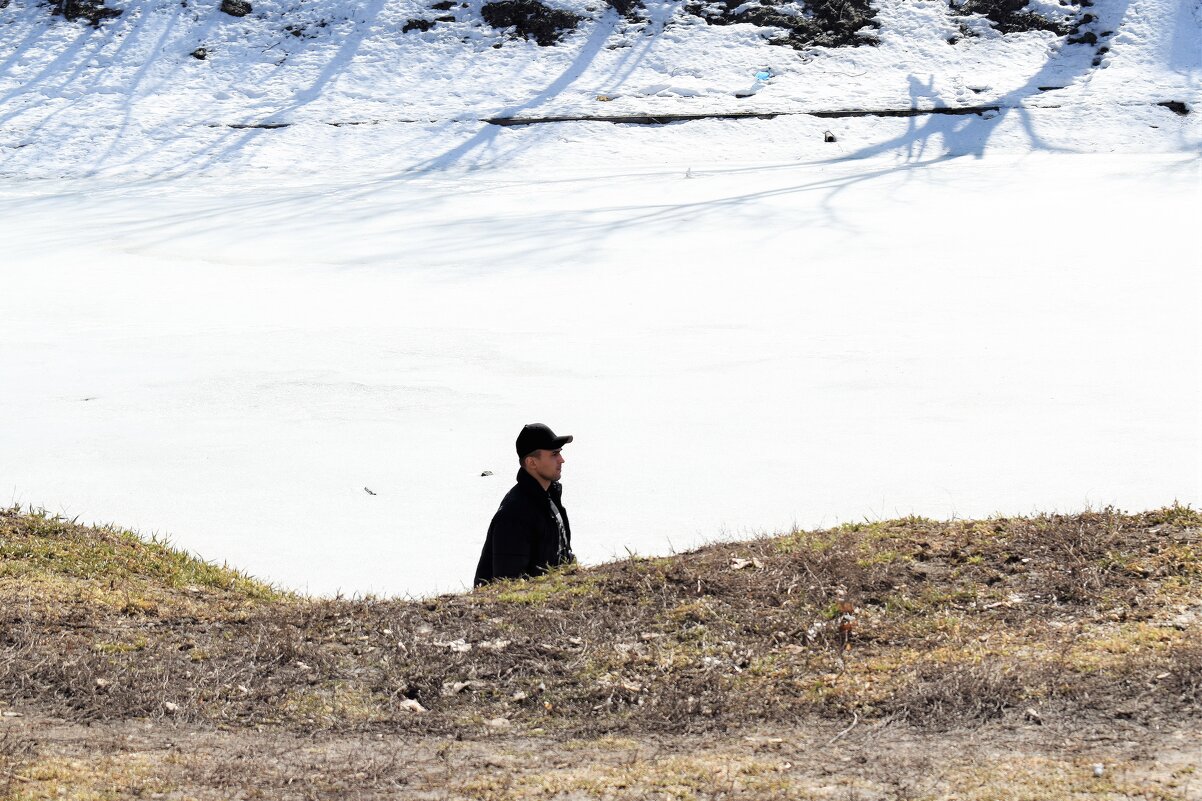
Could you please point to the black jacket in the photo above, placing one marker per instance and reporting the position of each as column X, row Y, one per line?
column 523, row 539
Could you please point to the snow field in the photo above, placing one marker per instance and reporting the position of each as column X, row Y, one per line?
column 129, row 99
column 230, row 334
column 753, row 347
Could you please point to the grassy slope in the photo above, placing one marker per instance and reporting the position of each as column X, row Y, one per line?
column 928, row 626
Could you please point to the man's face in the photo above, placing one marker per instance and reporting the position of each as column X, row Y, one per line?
column 547, row 465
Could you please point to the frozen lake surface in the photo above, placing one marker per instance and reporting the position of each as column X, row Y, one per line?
column 738, row 347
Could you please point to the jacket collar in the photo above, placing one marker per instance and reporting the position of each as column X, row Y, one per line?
column 530, row 484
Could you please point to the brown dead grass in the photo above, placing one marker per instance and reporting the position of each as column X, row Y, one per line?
column 934, row 626
column 128, row 760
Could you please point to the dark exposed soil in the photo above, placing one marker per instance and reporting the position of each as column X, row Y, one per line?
column 653, row 119
column 236, row 8
column 1175, row 106
column 794, row 23
column 92, row 11
column 630, row 9
column 822, row 23
column 664, row 119
column 1012, row 16
column 530, row 19
column 628, row 119
column 310, row 30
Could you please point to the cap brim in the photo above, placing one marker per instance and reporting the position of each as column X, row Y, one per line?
column 561, row 441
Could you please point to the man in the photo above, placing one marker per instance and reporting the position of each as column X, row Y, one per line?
column 530, row 533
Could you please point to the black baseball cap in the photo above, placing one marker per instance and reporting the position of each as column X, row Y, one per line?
column 538, row 437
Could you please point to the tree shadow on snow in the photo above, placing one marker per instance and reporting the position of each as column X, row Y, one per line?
column 129, row 43
column 139, row 30
column 482, row 149
column 59, row 74
column 74, row 72
column 926, row 141
column 1185, row 52
column 969, row 135
column 236, row 140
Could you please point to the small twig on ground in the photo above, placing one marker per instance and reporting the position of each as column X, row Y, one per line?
column 855, row 720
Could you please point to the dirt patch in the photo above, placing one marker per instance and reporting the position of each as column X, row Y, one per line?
column 664, row 119
column 823, row 23
column 794, row 762
column 628, row 119
column 630, row 9
column 1175, row 106
column 92, row 11
column 236, row 8
column 530, row 19
column 1013, row 16
column 310, row 30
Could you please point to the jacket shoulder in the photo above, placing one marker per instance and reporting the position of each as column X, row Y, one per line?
column 516, row 504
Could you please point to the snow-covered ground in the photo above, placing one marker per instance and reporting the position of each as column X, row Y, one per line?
column 129, row 99
column 227, row 334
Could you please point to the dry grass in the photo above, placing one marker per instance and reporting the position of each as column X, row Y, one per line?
column 115, row 761
column 934, row 626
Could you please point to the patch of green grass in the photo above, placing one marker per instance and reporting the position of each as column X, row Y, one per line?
column 38, row 544
column 882, row 557
column 699, row 611
column 1176, row 515
column 120, row 647
column 91, row 778
column 334, row 702
column 1110, row 646
column 564, row 583
column 807, row 542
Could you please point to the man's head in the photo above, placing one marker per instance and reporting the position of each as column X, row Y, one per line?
column 539, row 452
